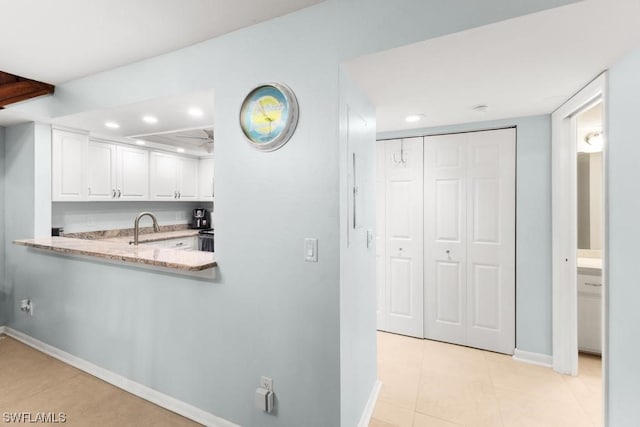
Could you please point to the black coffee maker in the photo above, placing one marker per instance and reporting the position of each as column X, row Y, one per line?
column 201, row 219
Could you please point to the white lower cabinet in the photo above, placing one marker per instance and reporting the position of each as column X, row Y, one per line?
column 590, row 313
column 117, row 172
column 173, row 177
column 183, row 243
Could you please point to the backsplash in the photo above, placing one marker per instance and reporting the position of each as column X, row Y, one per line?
column 123, row 232
column 96, row 216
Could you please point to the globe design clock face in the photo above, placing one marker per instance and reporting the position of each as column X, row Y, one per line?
column 267, row 117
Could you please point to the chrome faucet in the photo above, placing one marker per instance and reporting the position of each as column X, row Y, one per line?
column 136, row 226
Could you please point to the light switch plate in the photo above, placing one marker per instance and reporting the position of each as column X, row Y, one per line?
column 311, row 249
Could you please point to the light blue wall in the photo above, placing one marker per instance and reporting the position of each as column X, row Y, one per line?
column 533, row 224
column 19, row 206
column 269, row 312
column 624, row 234
column 358, row 348
column 3, row 295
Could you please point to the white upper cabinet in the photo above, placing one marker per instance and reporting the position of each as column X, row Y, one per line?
column 173, row 177
column 69, row 165
column 133, row 173
column 205, row 181
column 187, row 178
column 164, row 172
column 117, row 172
column 101, row 171
column 92, row 170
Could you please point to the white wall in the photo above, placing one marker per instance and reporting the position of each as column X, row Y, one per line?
column 269, row 312
column 19, row 194
column 93, row 216
column 3, row 293
column 358, row 350
column 533, row 225
column 623, row 236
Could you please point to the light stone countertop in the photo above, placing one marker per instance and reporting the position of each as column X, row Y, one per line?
column 120, row 250
column 153, row 237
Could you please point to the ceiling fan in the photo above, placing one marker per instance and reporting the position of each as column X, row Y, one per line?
column 207, row 137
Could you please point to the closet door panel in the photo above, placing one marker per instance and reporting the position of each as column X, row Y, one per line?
column 491, row 240
column 445, row 230
column 402, row 309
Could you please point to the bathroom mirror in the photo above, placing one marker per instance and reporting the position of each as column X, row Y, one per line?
column 590, row 206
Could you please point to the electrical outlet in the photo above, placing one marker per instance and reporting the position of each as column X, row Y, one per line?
column 26, row 305
column 266, row 383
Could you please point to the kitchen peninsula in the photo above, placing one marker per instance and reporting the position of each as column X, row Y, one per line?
column 118, row 248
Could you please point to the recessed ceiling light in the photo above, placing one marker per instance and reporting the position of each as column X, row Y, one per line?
column 112, row 125
column 180, row 150
column 414, row 118
column 480, row 108
column 140, row 142
column 195, row 112
column 149, row 119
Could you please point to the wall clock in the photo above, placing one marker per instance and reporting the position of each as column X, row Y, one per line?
column 269, row 116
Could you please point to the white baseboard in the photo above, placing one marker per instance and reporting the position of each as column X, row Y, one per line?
column 533, row 358
column 140, row 390
column 371, row 404
column 2, row 329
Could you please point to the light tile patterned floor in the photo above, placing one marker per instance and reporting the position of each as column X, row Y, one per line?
column 31, row 381
column 429, row 383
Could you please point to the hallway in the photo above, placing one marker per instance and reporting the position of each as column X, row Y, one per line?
column 429, row 383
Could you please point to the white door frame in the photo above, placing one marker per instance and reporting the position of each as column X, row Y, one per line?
column 564, row 226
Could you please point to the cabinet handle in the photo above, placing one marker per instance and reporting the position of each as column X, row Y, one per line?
column 593, row 284
column 113, row 193
column 119, row 193
column 179, row 195
column 180, row 244
column 175, row 194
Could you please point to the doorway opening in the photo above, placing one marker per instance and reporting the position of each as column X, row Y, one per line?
column 579, row 291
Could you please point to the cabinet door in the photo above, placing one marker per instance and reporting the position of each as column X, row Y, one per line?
column 101, row 171
column 188, row 178
column 205, row 180
column 133, row 174
column 68, row 166
column 163, row 177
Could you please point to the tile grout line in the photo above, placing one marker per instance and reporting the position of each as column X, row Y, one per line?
column 493, row 387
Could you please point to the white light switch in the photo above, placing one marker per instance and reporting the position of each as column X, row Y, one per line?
column 311, row 249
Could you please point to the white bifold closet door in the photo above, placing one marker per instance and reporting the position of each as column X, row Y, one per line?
column 400, row 237
column 469, row 239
